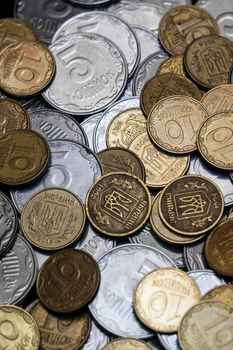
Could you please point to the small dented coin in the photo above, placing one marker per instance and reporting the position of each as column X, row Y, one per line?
column 126, row 344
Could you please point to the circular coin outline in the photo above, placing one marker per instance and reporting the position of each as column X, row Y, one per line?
column 123, row 340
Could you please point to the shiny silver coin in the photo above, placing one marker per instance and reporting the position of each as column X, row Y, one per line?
column 97, row 339
column 121, row 269
column 194, row 256
column 91, row 73
column 105, row 120
column 92, row 3
column 167, row 4
column 108, row 25
column 18, row 270
column 52, row 125
column 72, row 166
column 88, row 126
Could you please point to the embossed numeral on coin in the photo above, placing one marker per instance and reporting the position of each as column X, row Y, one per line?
column 175, row 130
column 222, row 336
column 222, row 138
column 63, row 273
column 29, row 69
column 158, row 305
column 56, row 9
column 192, row 30
column 21, row 161
column 8, row 330
column 62, row 325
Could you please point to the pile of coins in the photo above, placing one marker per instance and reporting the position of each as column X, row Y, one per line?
column 116, row 170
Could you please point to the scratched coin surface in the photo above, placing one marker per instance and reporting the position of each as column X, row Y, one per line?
column 191, row 205
column 127, row 344
column 174, row 122
column 174, row 64
column 118, row 204
column 93, row 72
column 26, row 68
column 68, row 281
column 221, row 293
column 88, row 125
column 218, row 99
column 113, row 305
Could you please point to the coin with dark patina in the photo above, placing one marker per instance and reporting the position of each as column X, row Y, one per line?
column 174, row 64
column 191, row 205
column 118, row 204
column 116, row 159
column 68, row 280
column 24, row 155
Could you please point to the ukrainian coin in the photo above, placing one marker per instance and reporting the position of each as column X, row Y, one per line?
column 93, row 73
column 154, row 343
column 109, row 26
column 68, row 332
column 212, row 322
column 167, row 4
column 97, row 339
column 174, row 122
column 221, row 293
column 215, row 140
column 162, row 298
column 194, row 256
column 24, row 156
column 160, row 167
column 218, row 99
column 118, row 204
column 116, row 159
column 205, row 68
column 88, row 126
column 148, row 41
column 127, row 344
column 113, row 305
column 68, row 280
column 18, row 269
column 182, row 25
column 191, row 205
column 26, row 68
column 62, row 173
column 166, row 85
column 125, row 127
column 174, row 64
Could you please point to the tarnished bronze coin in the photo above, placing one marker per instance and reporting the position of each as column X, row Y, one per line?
column 118, row 204
column 191, row 205
column 174, row 64
column 12, row 116
column 209, row 59
column 160, row 167
column 126, row 125
column 218, row 99
column 24, row 155
column 62, row 332
column 219, row 247
column 68, row 280
column 163, row 296
column 173, row 123
column 207, row 325
column 26, row 68
column 126, row 344
column 215, row 140
column 221, row 293
column 182, row 25
column 166, row 85
column 53, row 219
column 115, row 159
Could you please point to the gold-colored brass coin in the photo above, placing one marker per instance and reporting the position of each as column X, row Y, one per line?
column 118, row 204
column 219, row 247
column 18, row 329
column 173, row 123
column 208, row 60
column 166, row 85
column 215, row 140
column 26, row 68
column 207, row 325
column 12, row 116
column 182, row 25
column 164, row 232
column 221, row 293
column 174, row 64
column 160, row 167
column 191, row 205
column 115, row 159
column 126, row 125
column 53, row 219
column 63, row 332
column 24, row 155
column 67, row 281
column 126, row 344
column 163, row 296
column 218, row 99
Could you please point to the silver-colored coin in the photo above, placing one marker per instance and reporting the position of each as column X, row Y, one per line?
column 92, row 3
column 194, row 256
column 72, row 166
column 88, row 126
column 52, row 125
column 105, row 120
column 112, row 307
column 97, row 339
column 220, row 178
column 148, row 237
column 154, row 343
column 18, row 270
column 128, row 92
column 91, row 73
column 108, row 25
column 147, row 70
column 28, row 103
column 167, row 4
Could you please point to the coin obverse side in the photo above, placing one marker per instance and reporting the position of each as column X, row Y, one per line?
column 67, row 281
column 218, row 99
column 162, row 298
column 118, row 204
column 174, row 64
column 126, row 344
column 221, row 293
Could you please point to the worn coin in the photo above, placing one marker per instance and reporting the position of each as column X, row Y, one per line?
column 127, row 344
column 191, row 205
column 218, row 99
column 68, row 280
column 88, row 126
column 221, row 293
column 148, row 41
column 174, row 64
column 194, row 256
